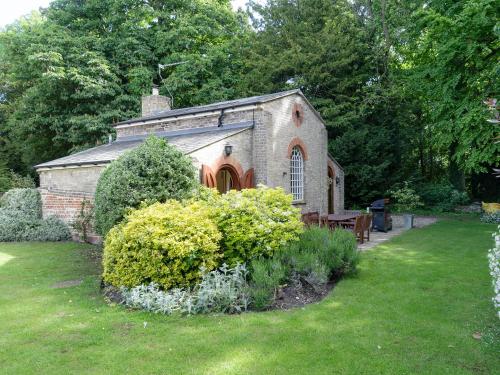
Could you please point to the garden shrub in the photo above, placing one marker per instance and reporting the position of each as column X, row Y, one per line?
column 254, row 222
column 18, row 181
column 442, row 196
column 494, row 264
column 49, row 229
column 153, row 172
column 266, row 277
column 322, row 254
column 165, row 243
column 21, row 218
column 224, row 290
column 406, row 199
column 25, row 202
column 12, row 180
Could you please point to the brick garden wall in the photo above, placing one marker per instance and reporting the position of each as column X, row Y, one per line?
column 66, row 205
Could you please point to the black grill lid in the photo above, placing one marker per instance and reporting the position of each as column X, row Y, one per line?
column 380, row 203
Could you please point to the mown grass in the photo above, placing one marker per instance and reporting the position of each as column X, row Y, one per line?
column 412, row 309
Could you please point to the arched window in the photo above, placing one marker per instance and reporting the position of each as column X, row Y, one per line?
column 297, row 174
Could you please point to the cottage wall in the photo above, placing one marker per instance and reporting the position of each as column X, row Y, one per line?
column 80, row 178
column 214, row 153
column 312, row 134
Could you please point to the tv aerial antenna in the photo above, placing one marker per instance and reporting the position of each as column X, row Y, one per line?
column 163, row 66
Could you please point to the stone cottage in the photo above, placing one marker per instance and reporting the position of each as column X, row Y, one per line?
column 276, row 140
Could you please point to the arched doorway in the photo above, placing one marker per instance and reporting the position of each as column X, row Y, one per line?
column 227, row 179
column 331, row 190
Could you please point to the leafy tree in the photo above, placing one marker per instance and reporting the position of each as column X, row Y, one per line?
column 331, row 50
column 153, row 172
column 453, row 54
column 71, row 72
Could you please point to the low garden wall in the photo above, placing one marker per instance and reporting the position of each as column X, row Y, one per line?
column 66, row 205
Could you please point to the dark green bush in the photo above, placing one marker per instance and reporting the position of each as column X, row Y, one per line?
column 21, row 218
column 442, row 196
column 11, row 180
column 153, row 172
column 5, row 182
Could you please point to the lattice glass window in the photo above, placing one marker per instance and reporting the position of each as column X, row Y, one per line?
column 297, row 174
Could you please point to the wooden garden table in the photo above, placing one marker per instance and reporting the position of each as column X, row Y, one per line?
column 334, row 220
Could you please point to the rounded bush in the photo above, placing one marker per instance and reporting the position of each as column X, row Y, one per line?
column 255, row 222
column 153, row 172
column 442, row 196
column 166, row 243
column 21, row 218
column 23, row 202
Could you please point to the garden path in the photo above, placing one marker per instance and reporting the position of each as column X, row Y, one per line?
column 376, row 238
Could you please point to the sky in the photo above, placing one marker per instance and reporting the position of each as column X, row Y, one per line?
column 10, row 10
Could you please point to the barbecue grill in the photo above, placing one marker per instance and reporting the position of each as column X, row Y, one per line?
column 382, row 220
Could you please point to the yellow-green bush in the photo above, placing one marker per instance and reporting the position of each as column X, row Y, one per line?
column 254, row 222
column 166, row 243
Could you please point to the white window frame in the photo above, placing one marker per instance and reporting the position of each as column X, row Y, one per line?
column 297, row 174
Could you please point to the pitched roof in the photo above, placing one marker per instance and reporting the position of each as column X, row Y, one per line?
column 213, row 107
column 187, row 141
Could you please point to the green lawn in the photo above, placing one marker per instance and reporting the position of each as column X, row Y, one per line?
column 411, row 310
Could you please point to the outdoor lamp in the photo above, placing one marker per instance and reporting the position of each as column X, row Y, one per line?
column 337, row 180
column 228, row 150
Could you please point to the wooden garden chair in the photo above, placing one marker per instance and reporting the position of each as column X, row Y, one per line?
column 367, row 223
column 356, row 226
column 323, row 221
column 311, row 218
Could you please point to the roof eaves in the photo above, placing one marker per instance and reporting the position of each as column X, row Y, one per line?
column 72, row 164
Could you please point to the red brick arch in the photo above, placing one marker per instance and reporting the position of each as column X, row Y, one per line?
column 242, row 180
column 297, row 142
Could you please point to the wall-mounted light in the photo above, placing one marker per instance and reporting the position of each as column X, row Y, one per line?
column 337, row 180
column 228, row 150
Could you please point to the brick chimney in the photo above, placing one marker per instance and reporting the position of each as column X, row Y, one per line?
column 155, row 103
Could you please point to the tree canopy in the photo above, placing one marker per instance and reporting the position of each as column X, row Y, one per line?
column 400, row 84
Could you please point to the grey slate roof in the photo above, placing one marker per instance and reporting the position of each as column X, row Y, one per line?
column 187, row 141
column 213, row 107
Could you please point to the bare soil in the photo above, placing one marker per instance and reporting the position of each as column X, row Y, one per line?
column 300, row 293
